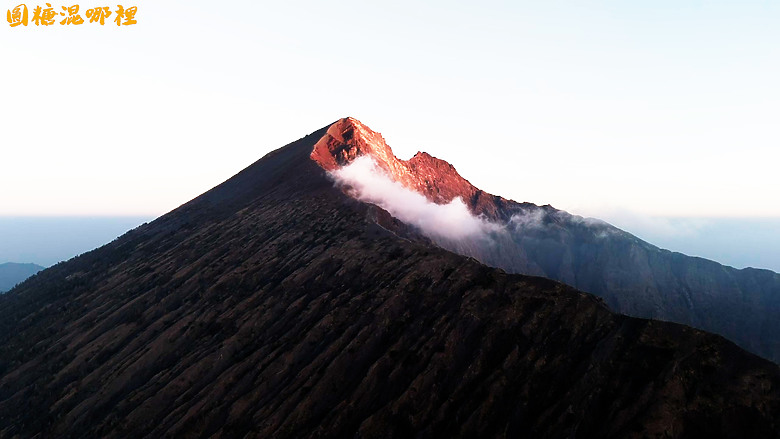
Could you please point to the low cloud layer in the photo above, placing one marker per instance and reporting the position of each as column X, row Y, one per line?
column 528, row 220
column 452, row 225
column 452, row 221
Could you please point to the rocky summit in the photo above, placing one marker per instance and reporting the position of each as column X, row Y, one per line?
column 276, row 305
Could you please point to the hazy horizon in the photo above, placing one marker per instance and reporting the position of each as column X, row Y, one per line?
column 46, row 240
column 735, row 242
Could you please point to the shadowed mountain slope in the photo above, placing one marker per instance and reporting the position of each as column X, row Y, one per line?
column 276, row 306
column 633, row 276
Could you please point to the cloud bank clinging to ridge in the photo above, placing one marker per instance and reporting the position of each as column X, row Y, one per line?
column 371, row 184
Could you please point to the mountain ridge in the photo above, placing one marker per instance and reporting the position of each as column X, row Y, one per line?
column 633, row 276
column 274, row 305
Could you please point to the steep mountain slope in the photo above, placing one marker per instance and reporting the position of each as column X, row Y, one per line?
column 11, row 273
column 276, row 306
column 634, row 277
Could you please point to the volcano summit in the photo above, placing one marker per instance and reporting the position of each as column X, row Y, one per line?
column 280, row 304
column 633, row 276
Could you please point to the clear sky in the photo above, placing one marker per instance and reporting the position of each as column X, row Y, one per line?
column 659, row 108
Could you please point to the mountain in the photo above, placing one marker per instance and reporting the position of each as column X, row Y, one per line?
column 12, row 273
column 276, row 305
column 633, row 276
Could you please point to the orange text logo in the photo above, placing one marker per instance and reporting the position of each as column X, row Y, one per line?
column 70, row 15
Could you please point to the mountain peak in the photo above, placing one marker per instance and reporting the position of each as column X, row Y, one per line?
column 436, row 179
column 347, row 139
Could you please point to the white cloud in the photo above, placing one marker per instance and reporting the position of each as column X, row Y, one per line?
column 367, row 182
column 528, row 220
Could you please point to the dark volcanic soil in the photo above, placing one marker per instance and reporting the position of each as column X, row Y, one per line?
column 276, row 306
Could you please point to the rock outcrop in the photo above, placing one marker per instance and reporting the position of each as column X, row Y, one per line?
column 437, row 180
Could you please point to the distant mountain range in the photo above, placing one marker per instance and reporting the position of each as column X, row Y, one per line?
column 12, row 273
column 279, row 305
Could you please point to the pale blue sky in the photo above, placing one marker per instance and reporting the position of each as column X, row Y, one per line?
column 655, row 107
